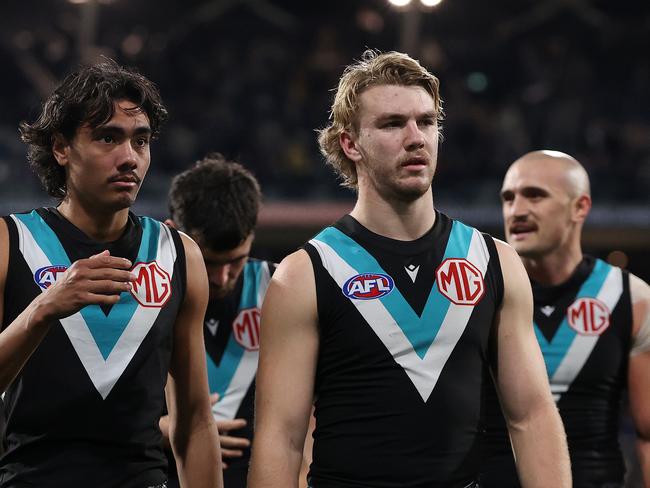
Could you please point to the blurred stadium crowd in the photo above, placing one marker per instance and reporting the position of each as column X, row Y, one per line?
column 252, row 79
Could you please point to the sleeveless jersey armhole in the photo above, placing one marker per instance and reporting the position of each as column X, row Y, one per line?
column 496, row 275
column 180, row 260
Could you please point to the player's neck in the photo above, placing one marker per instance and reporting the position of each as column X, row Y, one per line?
column 404, row 221
column 555, row 268
column 99, row 226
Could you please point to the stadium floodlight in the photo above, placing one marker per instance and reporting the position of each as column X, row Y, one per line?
column 399, row 3
column 430, row 3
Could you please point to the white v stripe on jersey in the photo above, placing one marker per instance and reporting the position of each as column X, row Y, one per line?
column 103, row 373
column 423, row 373
column 226, row 408
column 583, row 345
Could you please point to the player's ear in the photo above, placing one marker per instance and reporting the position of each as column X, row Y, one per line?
column 171, row 223
column 348, row 142
column 581, row 207
column 60, row 149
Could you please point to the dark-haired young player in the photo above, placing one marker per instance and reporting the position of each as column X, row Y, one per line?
column 216, row 202
column 98, row 305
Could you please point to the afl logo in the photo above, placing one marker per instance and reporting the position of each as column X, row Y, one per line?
column 460, row 281
column 246, row 329
column 47, row 276
column 152, row 286
column 368, row 286
column 588, row 316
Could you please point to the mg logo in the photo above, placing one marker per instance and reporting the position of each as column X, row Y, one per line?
column 588, row 316
column 246, row 329
column 152, row 286
column 460, row 281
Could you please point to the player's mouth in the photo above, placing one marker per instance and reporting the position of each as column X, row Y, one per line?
column 125, row 181
column 415, row 163
column 519, row 231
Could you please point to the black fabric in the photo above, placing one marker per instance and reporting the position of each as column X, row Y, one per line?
column 590, row 408
column 222, row 313
column 373, row 428
column 60, row 432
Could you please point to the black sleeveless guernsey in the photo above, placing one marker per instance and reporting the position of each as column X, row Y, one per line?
column 84, row 410
column 231, row 334
column 404, row 329
column 584, row 329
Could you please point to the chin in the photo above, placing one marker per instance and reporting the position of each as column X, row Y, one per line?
column 409, row 193
column 123, row 201
column 528, row 251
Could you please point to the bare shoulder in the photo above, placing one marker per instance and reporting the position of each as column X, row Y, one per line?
column 639, row 289
column 197, row 276
column 294, row 269
column 189, row 244
column 292, row 291
column 517, row 293
column 640, row 295
column 509, row 259
column 193, row 256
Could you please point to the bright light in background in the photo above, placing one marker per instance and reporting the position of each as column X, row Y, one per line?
column 404, row 3
column 80, row 2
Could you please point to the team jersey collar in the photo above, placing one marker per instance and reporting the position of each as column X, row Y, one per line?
column 440, row 230
column 550, row 294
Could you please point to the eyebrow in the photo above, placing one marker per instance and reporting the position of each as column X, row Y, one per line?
column 115, row 129
column 526, row 191
column 388, row 116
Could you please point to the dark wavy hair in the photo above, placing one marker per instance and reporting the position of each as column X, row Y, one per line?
column 216, row 201
column 85, row 97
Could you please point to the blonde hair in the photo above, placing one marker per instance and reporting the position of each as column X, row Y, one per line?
column 374, row 68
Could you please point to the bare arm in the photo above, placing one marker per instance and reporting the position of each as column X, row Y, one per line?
column 96, row 280
column 533, row 420
column 285, row 375
column 307, row 452
column 639, row 374
column 192, row 430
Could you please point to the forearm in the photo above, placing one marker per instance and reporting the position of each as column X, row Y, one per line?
column 19, row 340
column 276, row 461
column 197, row 454
column 643, row 450
column 541, row 450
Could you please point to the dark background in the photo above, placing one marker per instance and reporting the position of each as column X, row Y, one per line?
column 253, row 78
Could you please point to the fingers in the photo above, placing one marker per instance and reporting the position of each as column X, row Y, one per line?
column 105, row 252
column 107, row 287
column 110, row 274
column 105, row 260
column 214, row 398
column 231, row 453
column 100, row 299
column 227, row 425
column 231, row 442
